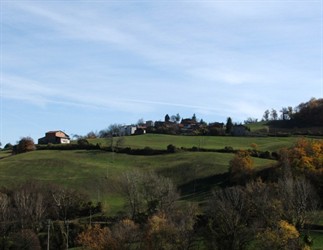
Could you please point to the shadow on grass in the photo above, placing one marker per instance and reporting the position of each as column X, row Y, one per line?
column 202, row 187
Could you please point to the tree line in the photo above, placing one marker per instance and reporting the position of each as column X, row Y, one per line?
column 305, row 114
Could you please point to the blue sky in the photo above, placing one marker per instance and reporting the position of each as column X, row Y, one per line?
column 79, row 66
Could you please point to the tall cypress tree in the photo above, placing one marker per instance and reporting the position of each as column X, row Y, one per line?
column 167, row 118
column 229, row 125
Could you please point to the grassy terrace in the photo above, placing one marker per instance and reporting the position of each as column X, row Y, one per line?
column 216, row 142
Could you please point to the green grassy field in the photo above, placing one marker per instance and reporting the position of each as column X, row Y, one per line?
column 318, row 240
column 261, row 127
column 97, row 173
column 210, row 142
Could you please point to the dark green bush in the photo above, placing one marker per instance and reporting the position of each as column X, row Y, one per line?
column 171, row 148
column 83, row 142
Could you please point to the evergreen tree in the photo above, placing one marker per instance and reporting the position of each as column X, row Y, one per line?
column 229, row 125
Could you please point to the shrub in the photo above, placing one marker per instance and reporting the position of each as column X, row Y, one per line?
column 25, row 144
column 97, row 238
column 82, row 142
column 148, row 150
column 228, row 149
column 8, row 146
column 265, row 155
column 171, row 148
column 281, row 236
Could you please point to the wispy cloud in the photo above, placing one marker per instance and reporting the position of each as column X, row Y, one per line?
column 30, row 91
column 74, row 25
column 210, row 40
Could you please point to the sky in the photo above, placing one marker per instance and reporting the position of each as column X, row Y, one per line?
column 79, row 66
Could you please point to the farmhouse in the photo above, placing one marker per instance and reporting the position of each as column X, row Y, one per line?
column 56, row 137
column 132, row 130
column 127, row 130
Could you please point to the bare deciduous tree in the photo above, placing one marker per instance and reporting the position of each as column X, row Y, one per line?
column 148, row 193
column 263, row 205
column 30, row 204
column 131, row 188
column 298, row 198
column 6, row 211
column 229, row 220
column 159, row 192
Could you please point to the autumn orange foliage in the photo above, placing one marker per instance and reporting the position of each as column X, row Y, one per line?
column 307, row 155
column 97, row 238
column 241, row 166
column 283, row 236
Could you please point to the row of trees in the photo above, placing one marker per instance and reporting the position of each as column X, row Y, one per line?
column 174, row 118
column 309, row 113
column 31, row 210
column 272, row 115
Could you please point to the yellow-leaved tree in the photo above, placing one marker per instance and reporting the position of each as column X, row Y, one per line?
column 97, row 238
column 241, row 167
column 282, row 236
column 306, row 155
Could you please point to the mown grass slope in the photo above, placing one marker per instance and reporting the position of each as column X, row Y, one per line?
column 159, row 141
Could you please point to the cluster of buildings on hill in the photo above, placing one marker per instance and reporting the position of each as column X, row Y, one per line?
column 189, row 126
column 186, row 126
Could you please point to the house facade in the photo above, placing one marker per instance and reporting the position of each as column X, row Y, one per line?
column 55, row 137
column 128, row 130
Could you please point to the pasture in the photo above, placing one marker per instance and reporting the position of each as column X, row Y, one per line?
column 160, row 141
column 98, row 173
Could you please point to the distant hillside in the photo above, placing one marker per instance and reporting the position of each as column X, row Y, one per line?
column 305, row 119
